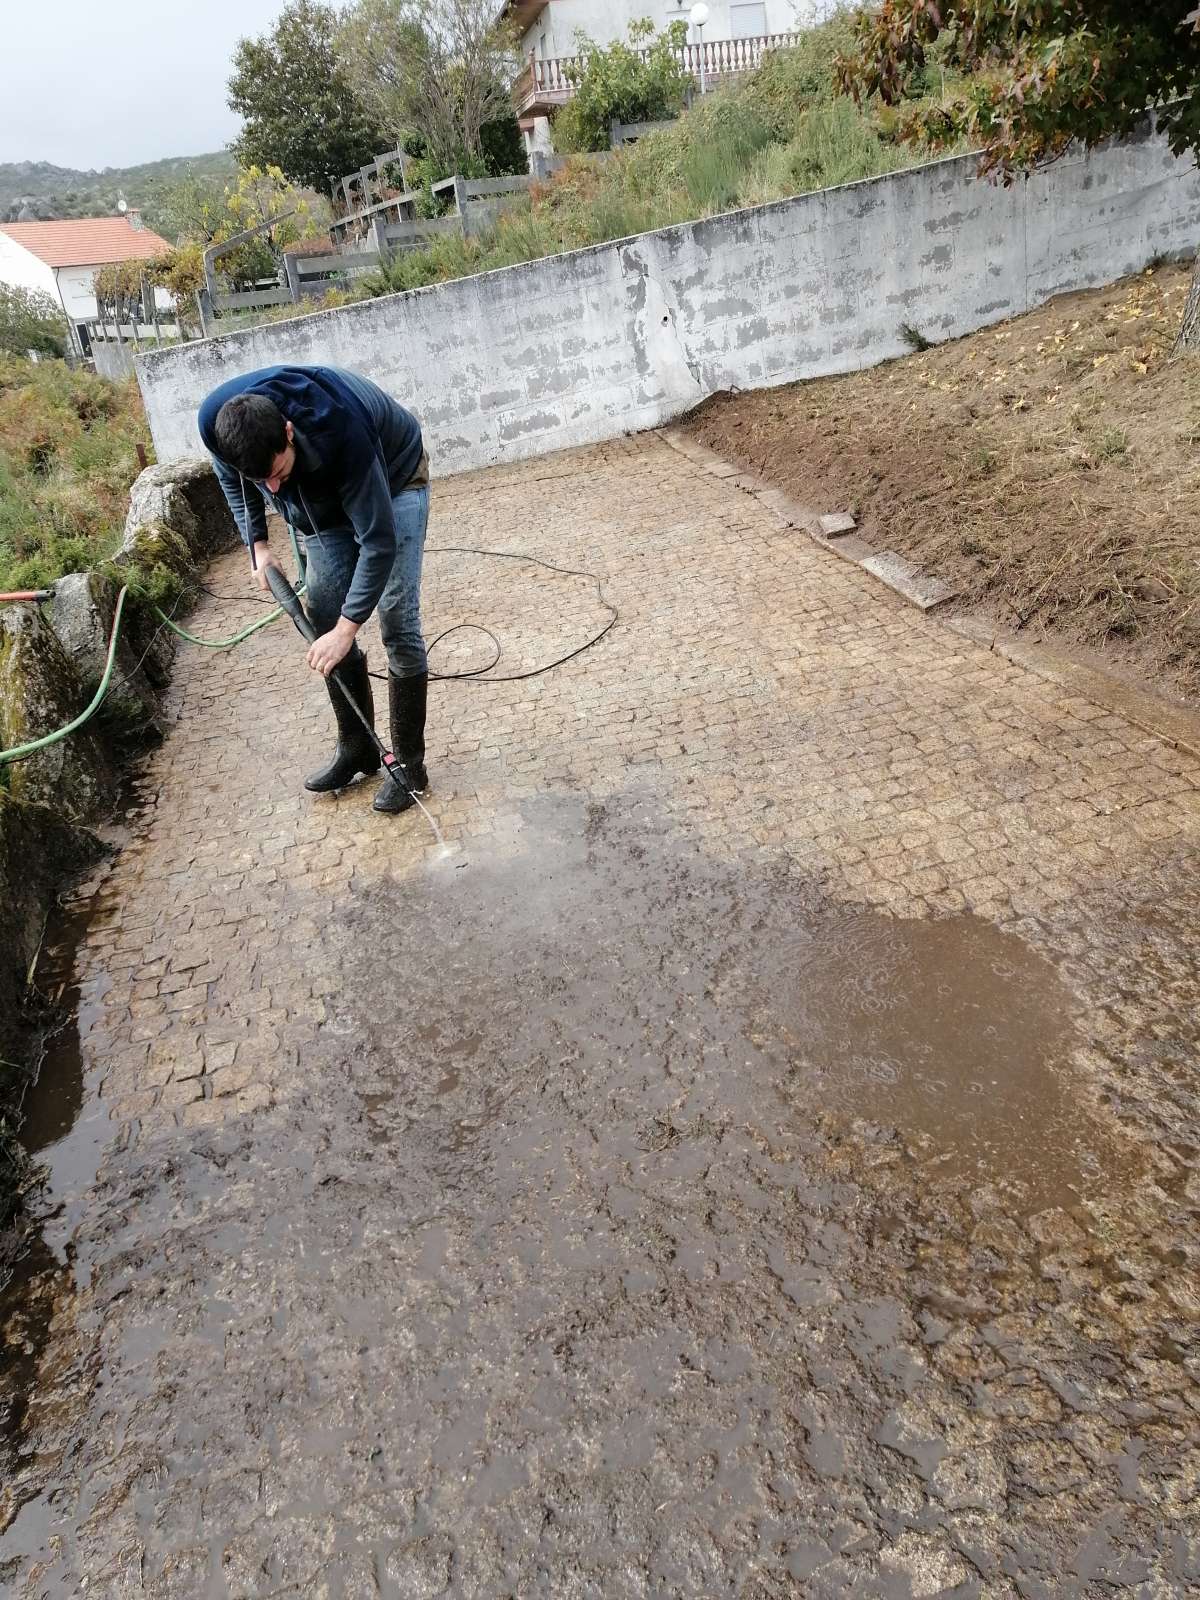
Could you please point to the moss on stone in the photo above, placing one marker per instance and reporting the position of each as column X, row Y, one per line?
column 40, row 691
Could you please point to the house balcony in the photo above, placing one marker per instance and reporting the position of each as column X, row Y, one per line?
column 548, row 83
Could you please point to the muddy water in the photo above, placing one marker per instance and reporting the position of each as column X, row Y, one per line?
column 608, row 942
column 633, row 1223
column 64, row 1128
column 959, row 1034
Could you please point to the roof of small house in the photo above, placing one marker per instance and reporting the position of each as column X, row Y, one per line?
column 86, row 241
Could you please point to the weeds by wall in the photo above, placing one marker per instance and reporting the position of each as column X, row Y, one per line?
column 68, row 455
column 780, row 131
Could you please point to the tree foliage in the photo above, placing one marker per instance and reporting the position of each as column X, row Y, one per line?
column 438, row 69
column 503, row 148
column 30, row 323
column 191, row 210
column 206, row 214
column 121, row 281
column 301, row 111
column 641, row 81
column 119, row 285
column 181, row 273
column 261, row 198
column 1038, row 73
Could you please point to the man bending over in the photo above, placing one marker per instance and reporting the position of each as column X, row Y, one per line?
column 345, row 465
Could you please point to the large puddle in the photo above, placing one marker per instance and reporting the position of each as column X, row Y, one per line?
column 956, row 1032
column 64, row 1128
column 66, row 1132
column 562, row 1136
column 597, row 937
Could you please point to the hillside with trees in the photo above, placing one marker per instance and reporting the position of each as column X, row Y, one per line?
column 39, row 191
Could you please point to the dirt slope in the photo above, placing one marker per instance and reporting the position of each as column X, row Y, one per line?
column 1046, row 466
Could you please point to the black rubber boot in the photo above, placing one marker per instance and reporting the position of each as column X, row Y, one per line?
column 355, row 753
column 406, row 702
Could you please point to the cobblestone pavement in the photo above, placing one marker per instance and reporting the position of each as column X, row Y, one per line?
column 762, row 1160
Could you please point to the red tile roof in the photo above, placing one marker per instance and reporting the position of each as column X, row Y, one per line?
column 86, row 242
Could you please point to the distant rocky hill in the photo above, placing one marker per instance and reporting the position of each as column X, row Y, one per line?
column 38, row 191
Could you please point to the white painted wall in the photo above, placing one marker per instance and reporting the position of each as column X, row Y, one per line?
column 77, row 285
column 553, row 32
column 583, row 347
column 22, row 269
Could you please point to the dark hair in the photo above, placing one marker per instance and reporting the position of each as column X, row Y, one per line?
column 250, row 432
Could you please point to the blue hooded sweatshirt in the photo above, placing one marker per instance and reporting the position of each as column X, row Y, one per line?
column 355, row 449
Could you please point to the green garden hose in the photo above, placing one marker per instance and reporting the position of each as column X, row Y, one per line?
column 22, row 750
column 219, row 644
column 19, row 752
column 474, row 676
column 226, row 644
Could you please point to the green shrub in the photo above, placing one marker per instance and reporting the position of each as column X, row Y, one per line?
column 837, row 144
column 503, row 148
column 713, row 163
column 769, row 176
column 67, row 459
column 620, row 84
column 788, row 80
column 30, row 323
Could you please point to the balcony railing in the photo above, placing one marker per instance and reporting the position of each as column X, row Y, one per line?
column 550, row 81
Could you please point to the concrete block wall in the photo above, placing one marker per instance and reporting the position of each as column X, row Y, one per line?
column 624, row 336
column 112, row 360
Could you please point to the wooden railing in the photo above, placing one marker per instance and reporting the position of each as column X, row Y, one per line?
column 551, row 80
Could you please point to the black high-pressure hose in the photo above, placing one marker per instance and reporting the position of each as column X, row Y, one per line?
column 287, row 600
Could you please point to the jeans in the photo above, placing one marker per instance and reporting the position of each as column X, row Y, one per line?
column 332, row 555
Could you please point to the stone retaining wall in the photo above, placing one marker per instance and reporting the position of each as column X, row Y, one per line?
column 579, row 348
column 51, row 661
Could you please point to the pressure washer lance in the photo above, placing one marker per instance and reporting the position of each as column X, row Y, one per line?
column 288, row 600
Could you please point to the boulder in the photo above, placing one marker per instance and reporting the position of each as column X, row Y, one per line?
column 185, row 497
column 82, row 615
column 40, row 691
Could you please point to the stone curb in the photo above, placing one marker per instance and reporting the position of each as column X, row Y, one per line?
column 1176, row 725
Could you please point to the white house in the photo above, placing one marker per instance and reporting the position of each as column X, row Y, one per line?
column 548, row 27
column 732, row 40
column 61, row 259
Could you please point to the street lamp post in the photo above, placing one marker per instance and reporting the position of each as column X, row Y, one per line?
column 699, row 14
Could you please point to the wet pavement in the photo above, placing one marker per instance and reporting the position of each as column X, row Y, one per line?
column 761, row 1159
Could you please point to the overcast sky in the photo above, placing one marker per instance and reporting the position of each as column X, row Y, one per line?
column 85, row 85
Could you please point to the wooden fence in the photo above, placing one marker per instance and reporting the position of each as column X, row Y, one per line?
column 362, row 240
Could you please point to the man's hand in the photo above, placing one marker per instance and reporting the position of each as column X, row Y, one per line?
column 262, row 560
column 332, row 647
